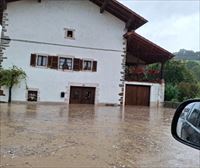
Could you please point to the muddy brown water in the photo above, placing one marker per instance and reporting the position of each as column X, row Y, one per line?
column 90, row 136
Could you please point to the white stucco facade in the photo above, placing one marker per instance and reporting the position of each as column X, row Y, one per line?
column 93, row 32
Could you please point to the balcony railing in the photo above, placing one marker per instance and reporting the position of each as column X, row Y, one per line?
column 142, row 75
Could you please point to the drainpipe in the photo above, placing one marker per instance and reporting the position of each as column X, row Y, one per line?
column 162, row 72
column 162, row 85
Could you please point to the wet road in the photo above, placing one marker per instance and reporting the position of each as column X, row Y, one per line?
column 87, row 136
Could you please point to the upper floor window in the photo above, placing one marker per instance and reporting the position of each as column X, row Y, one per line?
column 65, row 63
column 69, row 33
column 87, row 65
column 41, row 60
column 56, row 62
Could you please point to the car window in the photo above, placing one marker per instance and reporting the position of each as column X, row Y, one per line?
column 194, row 116
column 187, row 110
column 198, row 123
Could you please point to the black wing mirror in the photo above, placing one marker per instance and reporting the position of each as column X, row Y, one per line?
column 186, row 123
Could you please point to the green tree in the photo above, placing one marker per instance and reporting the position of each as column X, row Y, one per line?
column 181, row 79
column 188, row 90
column 176, row 72
column 194, row 67
column 10, row 77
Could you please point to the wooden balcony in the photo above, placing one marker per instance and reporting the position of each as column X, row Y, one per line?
column 140, row 74
column 141, row 55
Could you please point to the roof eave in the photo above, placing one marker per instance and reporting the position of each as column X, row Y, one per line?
column 122, row 12
column 166, row 55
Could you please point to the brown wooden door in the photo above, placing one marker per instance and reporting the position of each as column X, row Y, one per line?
column 82, row 95
column 137, row 95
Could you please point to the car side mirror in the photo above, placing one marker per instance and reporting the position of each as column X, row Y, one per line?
column 186, row 123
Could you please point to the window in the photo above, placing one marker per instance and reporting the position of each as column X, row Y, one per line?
column 65, row 63
column 87, row 65
column 41, row 60
column 62, row 62
column 32, row 95
column 194, row 116
column 69, row 33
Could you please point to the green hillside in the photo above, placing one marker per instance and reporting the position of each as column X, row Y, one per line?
column 187, row 55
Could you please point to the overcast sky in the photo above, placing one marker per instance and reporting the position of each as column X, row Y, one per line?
column 172, row 24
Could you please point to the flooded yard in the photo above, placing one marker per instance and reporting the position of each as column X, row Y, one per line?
column 90, row 136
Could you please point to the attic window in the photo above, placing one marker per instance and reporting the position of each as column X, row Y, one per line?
column 69, row 33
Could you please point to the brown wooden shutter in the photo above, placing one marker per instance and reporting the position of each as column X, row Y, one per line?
column 50, row 58
column 78, row 64
column 52, row 62
column 94, row 67
column 33, row 60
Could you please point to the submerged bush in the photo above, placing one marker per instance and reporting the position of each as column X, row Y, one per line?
column 188, row 90
column 171, row 92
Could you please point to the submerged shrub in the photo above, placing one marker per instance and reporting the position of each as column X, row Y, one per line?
column 188, row 90
column 171, row 92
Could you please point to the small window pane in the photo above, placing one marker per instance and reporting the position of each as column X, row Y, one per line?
column 41, row 60
column 87, row 65
column 69, row 33
column 194, row 116
column 32, row 95
column 65, row 63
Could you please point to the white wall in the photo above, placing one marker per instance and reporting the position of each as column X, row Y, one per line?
column 45, row 22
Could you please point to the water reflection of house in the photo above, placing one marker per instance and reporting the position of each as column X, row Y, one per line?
column 83, row 52
column 76, row 113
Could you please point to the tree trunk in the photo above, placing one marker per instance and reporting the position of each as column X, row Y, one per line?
column 10, row 94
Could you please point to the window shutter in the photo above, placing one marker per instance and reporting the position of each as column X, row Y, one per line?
column 50, row 58
column 94, row 67
column 33, row 60
column 54, row 64
column 78, row 64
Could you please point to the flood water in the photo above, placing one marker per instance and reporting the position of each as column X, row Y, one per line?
column 90, row 136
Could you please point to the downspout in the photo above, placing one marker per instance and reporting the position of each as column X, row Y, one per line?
column 162, row 72
column 162, row 84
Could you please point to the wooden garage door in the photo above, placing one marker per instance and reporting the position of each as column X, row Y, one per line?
column 82, row 95
column 137, row 95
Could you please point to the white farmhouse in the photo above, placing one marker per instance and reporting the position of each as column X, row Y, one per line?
column 80, row 51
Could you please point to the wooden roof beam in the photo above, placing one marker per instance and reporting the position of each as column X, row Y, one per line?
column 3, row 4
column 128, row 24
column 104, row 5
